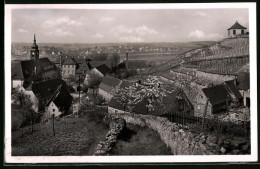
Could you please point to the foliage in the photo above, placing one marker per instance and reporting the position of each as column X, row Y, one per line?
column 151, row 91
column 114, row 58
column 92, row 80
column 228, row 128
column 71, row 89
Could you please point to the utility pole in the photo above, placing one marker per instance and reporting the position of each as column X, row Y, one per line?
column 53, row 131
column 205, row 111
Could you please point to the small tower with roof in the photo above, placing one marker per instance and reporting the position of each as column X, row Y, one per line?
column 35, row 55
column 236, row 29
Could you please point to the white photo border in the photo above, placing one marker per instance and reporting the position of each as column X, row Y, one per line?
column 133, row 159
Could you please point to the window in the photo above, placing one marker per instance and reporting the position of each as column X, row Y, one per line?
column 68, row 71
column 242, row 32
column 53, row 110
column 201, row 96
column 116, row 111
column 234, row 32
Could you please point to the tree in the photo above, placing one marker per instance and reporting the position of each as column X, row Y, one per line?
column 92, row 80
column 151, row 91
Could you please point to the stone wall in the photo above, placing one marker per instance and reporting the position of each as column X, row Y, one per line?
column 117, row 125
column 184, row 142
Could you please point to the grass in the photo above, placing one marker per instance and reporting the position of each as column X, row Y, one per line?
column 73, row 136
column 137, row 140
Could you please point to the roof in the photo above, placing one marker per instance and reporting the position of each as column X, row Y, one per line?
column 216, row 94
column 233, row 88
column 243, row 80
column 45, row 89
column 108, row 83
column 94, row 64
column 61, row 98
column 103, row 69
column 24, row 70
column 69, row 61
column 237, row 26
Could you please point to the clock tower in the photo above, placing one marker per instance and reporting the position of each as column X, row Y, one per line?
column 35, row 55
column 34, row 50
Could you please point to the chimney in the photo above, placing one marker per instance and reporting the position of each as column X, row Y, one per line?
column 126, row 60
column 60, row 64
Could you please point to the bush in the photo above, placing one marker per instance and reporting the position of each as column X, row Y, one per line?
column 228, row 128
column 71, row 89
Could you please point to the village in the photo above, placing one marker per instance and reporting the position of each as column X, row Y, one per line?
column 197, row 103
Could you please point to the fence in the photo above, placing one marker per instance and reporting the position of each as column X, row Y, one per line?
column 182, row 118
column 210, row 124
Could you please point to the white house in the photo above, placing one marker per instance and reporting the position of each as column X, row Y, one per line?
column 106, row 87
column 236, row 29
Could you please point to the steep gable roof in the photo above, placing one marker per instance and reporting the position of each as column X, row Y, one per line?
column 231, row 86
column 243, row 80
column 108, row 83
column 237, row 26
column 69, row 61
column 94, row 64
column 61, row 98
column 103, row 69
column 216, row 94
column 45, row 89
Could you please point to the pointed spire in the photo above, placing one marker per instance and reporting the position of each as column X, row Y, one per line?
column 34, row 40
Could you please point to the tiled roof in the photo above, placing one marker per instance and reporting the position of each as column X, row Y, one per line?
column 103, row 69
column 216, row 94
column 24, row 70
column 243, row 80
column 233, row 89
column 69, row 61
column 61, row 98
column 237, row 26
column 45, row 89
column 108, row 83
column 94, row 64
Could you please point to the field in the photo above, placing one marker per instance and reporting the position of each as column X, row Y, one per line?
column 80, row 136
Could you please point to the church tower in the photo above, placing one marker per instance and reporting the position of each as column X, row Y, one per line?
column 34, row 50
column 35, row 55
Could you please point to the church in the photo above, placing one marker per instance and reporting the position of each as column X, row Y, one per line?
column 25, row 72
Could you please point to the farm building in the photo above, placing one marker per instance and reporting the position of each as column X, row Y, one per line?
column 243, row 85
column 107, row 85
column 44, row 90
column 216, row 98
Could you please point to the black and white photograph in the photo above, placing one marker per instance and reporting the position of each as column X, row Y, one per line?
column 92, row 83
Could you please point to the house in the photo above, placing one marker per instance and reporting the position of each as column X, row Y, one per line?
column 94, row 64
column 43, row 91
column 243, row 85
column 106, row 87
column 23, row 72
column 69, row 67
column 35, row 69
column 58, row 104
column 101, row 70
column 216, row 98
column 236, row 29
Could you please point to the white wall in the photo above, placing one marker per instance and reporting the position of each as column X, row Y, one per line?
column 52, row 109
column 16, row 83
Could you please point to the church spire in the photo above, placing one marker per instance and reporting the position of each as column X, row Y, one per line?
column 34, row 40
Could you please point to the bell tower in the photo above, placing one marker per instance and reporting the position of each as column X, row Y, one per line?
column 34, row 50
column 35, row 55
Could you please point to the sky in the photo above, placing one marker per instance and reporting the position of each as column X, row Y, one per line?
column 115, row 25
